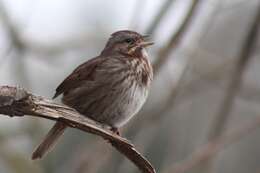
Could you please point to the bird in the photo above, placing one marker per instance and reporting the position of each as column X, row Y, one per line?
column 110, row 88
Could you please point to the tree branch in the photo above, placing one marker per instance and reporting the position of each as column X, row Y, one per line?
column 244, row 55
column 157, row 19
column 213, row 147
column 16, row 101
column 217, row 141
column 175, row 39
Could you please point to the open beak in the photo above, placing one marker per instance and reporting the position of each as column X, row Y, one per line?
column 146, row 43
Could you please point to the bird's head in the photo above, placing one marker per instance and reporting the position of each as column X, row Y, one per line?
column 127, row 42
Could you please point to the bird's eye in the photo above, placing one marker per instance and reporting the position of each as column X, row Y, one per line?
column 129, row 40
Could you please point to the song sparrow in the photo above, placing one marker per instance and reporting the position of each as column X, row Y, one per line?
column 110, row 88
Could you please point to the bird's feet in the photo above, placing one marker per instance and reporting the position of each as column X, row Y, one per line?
column 115, row 130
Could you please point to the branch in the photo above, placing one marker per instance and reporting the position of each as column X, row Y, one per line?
column 164, row 53
column 233, row 88
column 17, row 46
column 210, row 149
column 135, row 19
column 157, row 19
column 236, row 77
column 13, row 33
column 16, row 101
column 22, row 45
column 218, row 141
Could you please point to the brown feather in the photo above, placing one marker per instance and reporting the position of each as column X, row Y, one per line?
column 80, row 74
column 49, row 141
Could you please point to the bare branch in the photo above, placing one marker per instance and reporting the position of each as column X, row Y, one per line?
column 220, row 121
column 135, row 19
column 236, row 78
column 217, row 141
column 164, row 9
column 13, row 33
column 164, row 53
column 20, row 45
column 18, row 102
column 213, row 147
column 17, row 46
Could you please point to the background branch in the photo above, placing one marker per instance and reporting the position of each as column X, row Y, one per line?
column 236, row 77
column 16, row 46
column 157, row 19
column 244, row 55
column 217, row 141
column 213, row 147
column 164, row 53
column 18, row 102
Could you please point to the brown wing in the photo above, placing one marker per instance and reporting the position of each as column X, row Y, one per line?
column 81, row 73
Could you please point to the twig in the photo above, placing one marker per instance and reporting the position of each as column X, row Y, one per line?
column 18, row 102
column 213, row 147
column 137, row 11
column 170, row 103
column 20, row 45
column 164, row 53
column 218, row 142
column 16, row 45
column 156, row 20
column 14, row 35
column 236, row 78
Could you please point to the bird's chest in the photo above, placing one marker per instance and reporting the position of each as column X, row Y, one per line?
column 129, row 90
column 141, row 71
column 128, row 103
column 134, row 88
column 136, row 85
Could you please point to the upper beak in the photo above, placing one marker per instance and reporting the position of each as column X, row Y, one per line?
column 146, row 43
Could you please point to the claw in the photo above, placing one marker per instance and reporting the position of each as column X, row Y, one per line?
column 115, row 130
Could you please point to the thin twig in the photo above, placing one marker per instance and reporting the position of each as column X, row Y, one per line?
column 219, row 122
column 157, row 19
column 170, row 103
column 20, row 45
column 213, row 147
column 217, row 140
column 13, row 33
column 236, row 78
column 164, row 53
column 18, row 102
column 138, row 8
column 16, row 45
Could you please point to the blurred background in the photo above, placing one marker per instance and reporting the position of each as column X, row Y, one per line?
column 203, row 112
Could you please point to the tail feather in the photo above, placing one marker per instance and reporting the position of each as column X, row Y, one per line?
column 49, row 141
